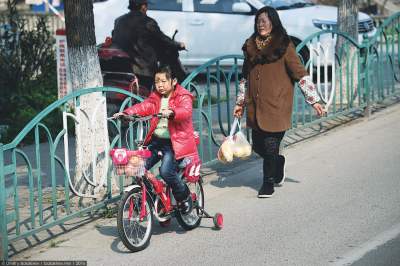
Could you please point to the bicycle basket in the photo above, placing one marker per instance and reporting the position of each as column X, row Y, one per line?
column 128, row 162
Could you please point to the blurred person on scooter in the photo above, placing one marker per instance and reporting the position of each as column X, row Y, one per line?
column 141, row 37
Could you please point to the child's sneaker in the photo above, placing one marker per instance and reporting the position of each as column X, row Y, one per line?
column 185, row 206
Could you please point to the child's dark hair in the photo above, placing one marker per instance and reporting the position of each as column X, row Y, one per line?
column 165, row 69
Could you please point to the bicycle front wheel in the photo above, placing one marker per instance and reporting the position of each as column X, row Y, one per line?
column 134, row 223
column 192, row 220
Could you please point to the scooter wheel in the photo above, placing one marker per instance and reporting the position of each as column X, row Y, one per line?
column 218, row 220
column 165, row 223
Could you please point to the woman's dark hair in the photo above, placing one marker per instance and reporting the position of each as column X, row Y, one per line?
column 277, row 28
column 165, row 69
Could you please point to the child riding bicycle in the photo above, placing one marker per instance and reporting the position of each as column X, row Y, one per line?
column 172, row 135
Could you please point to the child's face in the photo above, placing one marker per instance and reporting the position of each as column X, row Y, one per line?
column 163, row 84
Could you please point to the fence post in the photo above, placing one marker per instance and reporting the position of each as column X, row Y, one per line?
column 3, row 221
column 366, row 48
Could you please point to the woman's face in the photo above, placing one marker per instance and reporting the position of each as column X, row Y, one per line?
column 163, row 84
column 264, row 25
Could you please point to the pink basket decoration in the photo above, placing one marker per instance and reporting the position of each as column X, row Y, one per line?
column 128, row 162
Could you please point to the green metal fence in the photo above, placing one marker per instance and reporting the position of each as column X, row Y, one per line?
column 352, row 75
column 216, row 85
column 35, row 184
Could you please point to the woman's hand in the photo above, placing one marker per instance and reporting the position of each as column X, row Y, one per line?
column 238, row 111
column 319, row 109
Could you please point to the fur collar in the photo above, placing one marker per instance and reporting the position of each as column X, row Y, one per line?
column 269, row 54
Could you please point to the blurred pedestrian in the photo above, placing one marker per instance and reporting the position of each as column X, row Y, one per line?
column 141, row 37
column 270, row 68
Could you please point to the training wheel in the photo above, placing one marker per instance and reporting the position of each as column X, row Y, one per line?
column 218, row 220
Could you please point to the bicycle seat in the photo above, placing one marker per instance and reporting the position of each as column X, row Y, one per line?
column 185, row 162
column 182, row 164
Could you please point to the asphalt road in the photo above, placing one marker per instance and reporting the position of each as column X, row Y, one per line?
column 341, row 193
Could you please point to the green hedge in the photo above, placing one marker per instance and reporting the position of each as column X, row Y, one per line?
column 28, row 78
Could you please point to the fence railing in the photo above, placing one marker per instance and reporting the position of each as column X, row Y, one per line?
column 215, row 84
column 351, row 74
column 37, row 190
column 37, row 185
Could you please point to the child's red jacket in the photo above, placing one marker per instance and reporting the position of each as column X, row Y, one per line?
column 180, row 126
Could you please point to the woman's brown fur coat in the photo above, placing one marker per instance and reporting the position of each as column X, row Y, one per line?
column 271, row 73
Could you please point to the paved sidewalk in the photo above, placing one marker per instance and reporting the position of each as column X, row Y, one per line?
column 342, row 189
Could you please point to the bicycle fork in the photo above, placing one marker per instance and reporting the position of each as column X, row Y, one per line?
column 143, row 211
column 143, row 203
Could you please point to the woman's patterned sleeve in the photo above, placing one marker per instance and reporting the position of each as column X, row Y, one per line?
column 308, row 88
column 240, row 98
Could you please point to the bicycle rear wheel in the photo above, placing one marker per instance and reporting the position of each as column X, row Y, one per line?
column 192, row 220
column 134, row 232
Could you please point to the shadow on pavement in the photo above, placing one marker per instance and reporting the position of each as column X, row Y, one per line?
column 240, row 173
column 118, row 247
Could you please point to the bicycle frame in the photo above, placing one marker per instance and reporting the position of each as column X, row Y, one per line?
column 136, row 212
column 153, row 186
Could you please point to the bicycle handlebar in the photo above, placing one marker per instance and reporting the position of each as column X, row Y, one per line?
column 140, row 128
column 135, row 118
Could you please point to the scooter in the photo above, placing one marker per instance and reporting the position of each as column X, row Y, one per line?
column 117, row 72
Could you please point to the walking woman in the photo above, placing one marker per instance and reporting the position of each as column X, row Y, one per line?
column 271, row 66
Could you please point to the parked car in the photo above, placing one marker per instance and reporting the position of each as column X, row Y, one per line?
column 212, row 28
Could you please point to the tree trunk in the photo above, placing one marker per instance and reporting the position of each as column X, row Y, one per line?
column 348, row 17
column 91, row 131
column 348, row 23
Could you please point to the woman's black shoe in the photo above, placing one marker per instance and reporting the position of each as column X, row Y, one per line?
column 266, row 190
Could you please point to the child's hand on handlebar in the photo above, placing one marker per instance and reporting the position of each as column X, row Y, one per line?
column 167, row 113
column 117, row 115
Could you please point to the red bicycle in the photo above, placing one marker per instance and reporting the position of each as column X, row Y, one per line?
column 148, row 197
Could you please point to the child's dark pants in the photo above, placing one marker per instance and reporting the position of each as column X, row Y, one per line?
column 169, row 166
